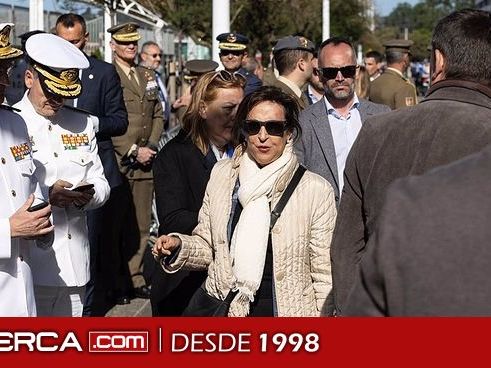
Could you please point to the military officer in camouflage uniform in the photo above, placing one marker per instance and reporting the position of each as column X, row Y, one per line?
column 136, row 149
column 392, row 88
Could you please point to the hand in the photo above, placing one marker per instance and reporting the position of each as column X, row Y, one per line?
column 59, row 196
column 165, row 245
column 184, row 100
column 87, row 195
column 30, row 224
column 145, row 155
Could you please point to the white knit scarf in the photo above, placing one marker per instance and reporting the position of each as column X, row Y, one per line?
column 250, row 238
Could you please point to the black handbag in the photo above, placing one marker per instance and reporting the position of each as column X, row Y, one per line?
column 203, row 304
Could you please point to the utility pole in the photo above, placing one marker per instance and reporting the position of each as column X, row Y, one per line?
column 326, row 25
column 36, row 19
column 221, row 24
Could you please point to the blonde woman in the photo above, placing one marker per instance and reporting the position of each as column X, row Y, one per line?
column 181, row 171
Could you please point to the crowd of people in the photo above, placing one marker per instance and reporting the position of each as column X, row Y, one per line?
column 314, row 187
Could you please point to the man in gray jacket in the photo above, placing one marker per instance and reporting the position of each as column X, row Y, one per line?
column 454, row 120
column 330, row 126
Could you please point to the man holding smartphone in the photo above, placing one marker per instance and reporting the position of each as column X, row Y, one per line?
column 16, row 185
column 68, row 169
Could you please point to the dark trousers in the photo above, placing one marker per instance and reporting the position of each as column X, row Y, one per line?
column 108, row 265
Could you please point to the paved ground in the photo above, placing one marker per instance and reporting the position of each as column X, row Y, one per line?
column 137, row 308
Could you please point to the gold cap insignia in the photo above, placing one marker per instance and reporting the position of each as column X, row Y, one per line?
column 303, row 41
column 6, row 50
column 231, row 38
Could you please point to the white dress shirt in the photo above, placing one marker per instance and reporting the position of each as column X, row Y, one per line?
column 64, row 147
column 344, row 132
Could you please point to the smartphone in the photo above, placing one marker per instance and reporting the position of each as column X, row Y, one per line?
column 37, row 205
column 83, row 188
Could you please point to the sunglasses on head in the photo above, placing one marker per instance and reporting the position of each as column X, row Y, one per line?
column 273, row 127
column 233, row 52
column 226, row 76
column 331, row 73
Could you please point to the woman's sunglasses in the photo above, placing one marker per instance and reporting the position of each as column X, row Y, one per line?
column 273, row 127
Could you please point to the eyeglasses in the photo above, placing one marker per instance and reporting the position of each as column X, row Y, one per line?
column 273, row 127
column 226, row 76
column 331, row 73
column 154, row 55
column 232, row 52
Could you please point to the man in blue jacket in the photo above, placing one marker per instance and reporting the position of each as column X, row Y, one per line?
column 102, row 97
column 233, row 49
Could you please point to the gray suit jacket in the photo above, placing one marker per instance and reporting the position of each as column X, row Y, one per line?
column 315, row 148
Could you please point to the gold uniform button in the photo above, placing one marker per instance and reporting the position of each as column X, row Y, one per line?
column 3, row 161
column 69, row 236
column 55, row 154
column 13, row 193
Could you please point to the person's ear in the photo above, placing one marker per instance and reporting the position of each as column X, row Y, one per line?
column 29, row 79
column 438, row 66
column 113, row 45
column 202, row 110
column 301, row 64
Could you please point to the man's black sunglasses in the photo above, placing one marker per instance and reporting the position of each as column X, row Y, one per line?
column 233, row 52
column 331, row 73
column 273, row 127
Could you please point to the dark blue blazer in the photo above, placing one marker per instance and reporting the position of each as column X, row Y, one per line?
column 102, row 96
column 253, row 82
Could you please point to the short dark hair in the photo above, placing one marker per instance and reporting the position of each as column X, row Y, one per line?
column 69, row 20
column 286, row 60
column 393, row 57
column 464, row 39
column 271, row 94
column 375, row 55
column 337, row 41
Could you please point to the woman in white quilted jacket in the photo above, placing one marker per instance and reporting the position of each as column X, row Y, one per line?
column 282, row 271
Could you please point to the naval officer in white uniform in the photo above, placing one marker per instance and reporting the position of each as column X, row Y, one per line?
column 16, row 185
column 65, row 153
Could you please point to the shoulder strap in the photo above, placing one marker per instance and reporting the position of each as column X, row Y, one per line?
column 276, row 213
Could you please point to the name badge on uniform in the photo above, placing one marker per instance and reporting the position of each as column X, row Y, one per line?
column 73, row 141
column 20, row 151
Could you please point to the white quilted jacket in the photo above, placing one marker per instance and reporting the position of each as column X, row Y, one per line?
column 301, row 241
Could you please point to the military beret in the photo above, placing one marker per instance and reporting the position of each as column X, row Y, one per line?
column 57, row 62
column 7, row 51
column 125, row 32
column 294, row 43
column 232, row 41
column 198, row 67
column 25, row 36
column 398, row 45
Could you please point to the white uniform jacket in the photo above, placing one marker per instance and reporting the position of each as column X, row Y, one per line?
column 64, row 147
column 16, row 183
